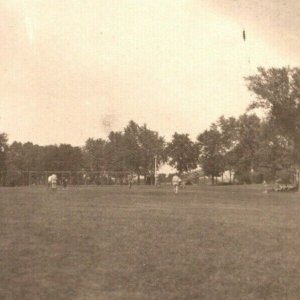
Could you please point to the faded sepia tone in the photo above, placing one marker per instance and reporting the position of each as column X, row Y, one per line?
column 89, row 67
column 144, row 155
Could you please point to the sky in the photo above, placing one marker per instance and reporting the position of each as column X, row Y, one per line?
column 72, row 69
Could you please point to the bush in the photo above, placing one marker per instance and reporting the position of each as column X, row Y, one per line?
column 256, row 177
column 188, row 182
column 285, row 177
column 243, row 178
column 228, row 183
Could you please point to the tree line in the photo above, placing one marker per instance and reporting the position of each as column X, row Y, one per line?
column 254, row 148
column 250, row 148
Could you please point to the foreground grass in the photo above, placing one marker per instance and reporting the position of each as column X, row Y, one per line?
column 146, row 243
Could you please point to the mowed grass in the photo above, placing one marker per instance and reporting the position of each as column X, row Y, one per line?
column 147, row 243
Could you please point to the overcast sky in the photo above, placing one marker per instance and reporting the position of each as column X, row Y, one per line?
column 70, row 70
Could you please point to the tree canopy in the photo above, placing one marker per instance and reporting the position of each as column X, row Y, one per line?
column 243, row 145
column 277, row 91
column 183, row 153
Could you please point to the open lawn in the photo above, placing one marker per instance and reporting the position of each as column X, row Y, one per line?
column 110, row 243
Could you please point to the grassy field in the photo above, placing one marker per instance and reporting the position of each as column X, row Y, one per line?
column 147, row 243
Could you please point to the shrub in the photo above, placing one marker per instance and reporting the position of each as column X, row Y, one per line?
column 285, row 177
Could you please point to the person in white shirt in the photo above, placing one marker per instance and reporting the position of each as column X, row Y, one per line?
column 175, row 182
column 53, row 182
column 49, row 181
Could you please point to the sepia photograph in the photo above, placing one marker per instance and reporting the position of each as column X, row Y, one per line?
column 149, row 149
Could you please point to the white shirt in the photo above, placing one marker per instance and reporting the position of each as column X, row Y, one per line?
column 53, row 178
column 175, row 180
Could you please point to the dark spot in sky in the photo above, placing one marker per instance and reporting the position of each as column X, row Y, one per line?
column 107, row 122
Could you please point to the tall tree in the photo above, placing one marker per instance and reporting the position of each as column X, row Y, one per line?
column 69, row 157
column 274, row 152
column 231, row 144
column 247, row 145
column 24, row 157
column 132, row 147
column 151, row 146
column 15, row 156
column 182, row 152
column 211, row 152
column 115, row 152
column 94, row 154
column 277, row 90
column 228, row 128
column 31, row 157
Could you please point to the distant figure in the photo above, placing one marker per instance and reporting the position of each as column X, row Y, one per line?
column 130, row 180
column 64, row 182
column 182, row 184
column 244, row 35
column 175, row 182
column 265, row 187
column 49, row 181
column 53, row 182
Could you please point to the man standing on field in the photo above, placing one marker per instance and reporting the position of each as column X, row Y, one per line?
column 130, row 180
column 49, row 181
column 175, row 182
column 64, row 182
column 53, row 182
